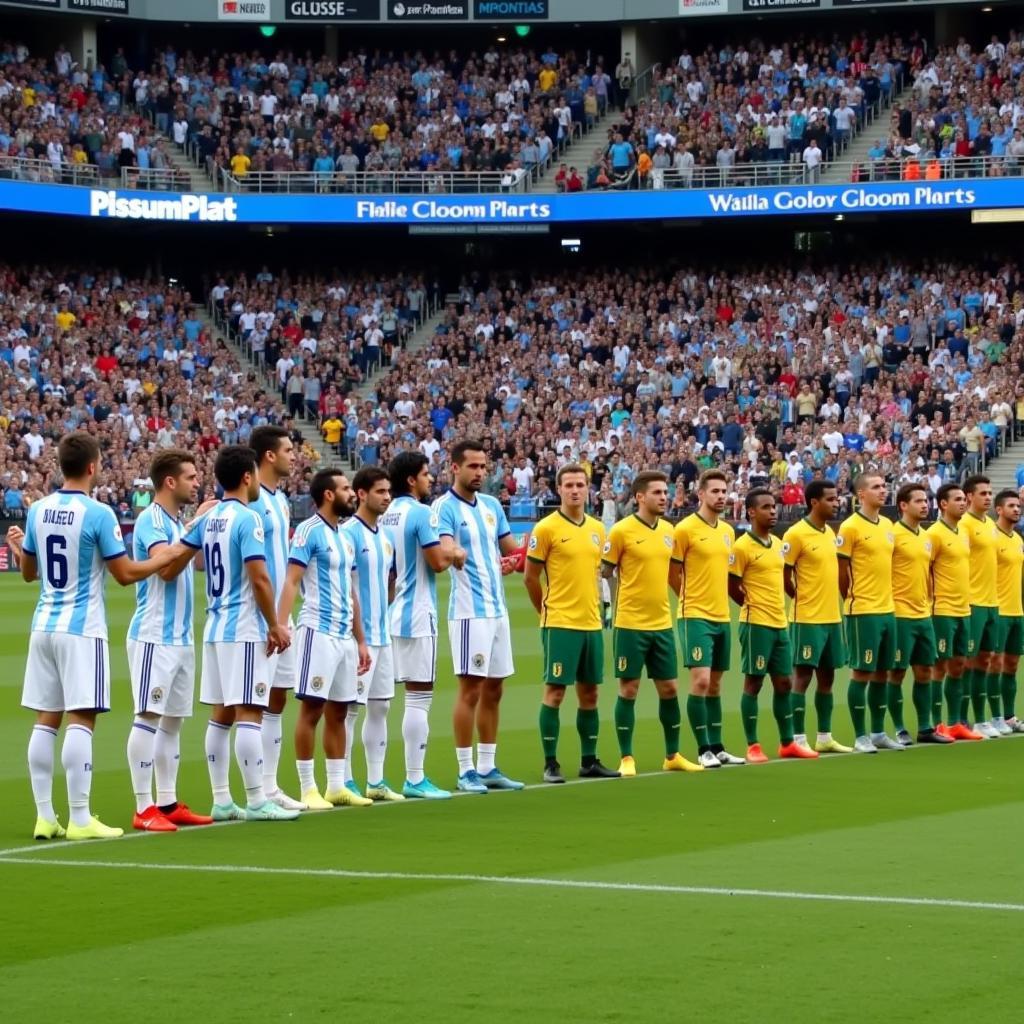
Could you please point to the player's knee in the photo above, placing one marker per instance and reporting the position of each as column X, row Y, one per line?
column 586, row 694
column 554, row 695
column 629, row 688
column 492, row 690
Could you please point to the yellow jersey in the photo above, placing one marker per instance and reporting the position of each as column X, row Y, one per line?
column 812, row 555
column 642, row 555
column 983, row 534
column 704, row 551
column 571, row 555
column 867, row 545
column 1010, row 562
column 760, row 566
column 911, row 572
column 951, row 570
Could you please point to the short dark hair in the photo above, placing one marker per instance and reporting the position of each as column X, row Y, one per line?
column 755, row 495
column 168, row 462
column 708, row 475
column 642, row 481
column 816, row 489
column 862, row 481
column 266, row 439
column 322, row 482
column 75, row 453
column 904, row 494
column 402, row 468
column 366, row 477
column 972, row 483
column 567, row 470
column 232, row 463
column 943, row 493
column 1005, row 495
column 458, row 453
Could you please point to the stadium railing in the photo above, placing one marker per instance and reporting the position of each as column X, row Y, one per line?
column 377, row 182
column 24, row 168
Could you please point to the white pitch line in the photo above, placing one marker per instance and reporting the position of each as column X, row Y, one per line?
column 530, row 882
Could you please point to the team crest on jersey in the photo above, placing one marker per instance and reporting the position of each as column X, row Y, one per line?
column 928, row 546
column 258, row 533
column 435, row 520
column 806, row 652
column 760, row 663
column 489, row 519
column 299, row 540
column 839, row 542
column 533, row 543
column 556, row 670
column 596, row 540
column 727, row 539
column 942, row 646
column 607, row 546
column 317, row 683
column 696, row 654
column 156, row 695
column 117, row 531
column 890, row 537
column 387, row 549
column 261, row 690
column 732, row 558
column 478, row 661
column 668, row 542
column 786, row 548
column 350, row 551
column 869, row 656
column 622, row 664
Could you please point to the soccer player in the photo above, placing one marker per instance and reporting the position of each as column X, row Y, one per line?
column 699, row 574
column 951, row 610
column 1010, row 558
column 161, row 655
column 865, row 545
column 982, row 663
column 639, row 552
column 566, row 547
column 915, row 634
column 373, row 554
column 68, row 541
column 418, row 556
column 330, row 641
column 275, row 452
column 241, row 632
column 478, row 627
column 812, row 581
column 756, row 583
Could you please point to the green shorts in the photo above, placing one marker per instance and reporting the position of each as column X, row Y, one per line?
column 915, row 643
column 872, row 639
column 637, row 649
column 952, row 636
column 572, row 655
column 1011, row 634
column 820, row 645
column 766, row 650
column 706, row 644
column 984, row 630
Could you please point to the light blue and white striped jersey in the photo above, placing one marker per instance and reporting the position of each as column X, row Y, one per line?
column 230, row 535
column 276, row 516
column 411, row 526
column 373, row 566
column 477, row 526
column 329, row 558
column 71, row 535
column 163, row 611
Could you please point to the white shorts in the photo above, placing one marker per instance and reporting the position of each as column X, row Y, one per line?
column 379, row 682
column 235, row 673
column 66, row 673
column 481, row 647
column 327, row 666
column 163, row 678
column 282, row 666
column 415, row 658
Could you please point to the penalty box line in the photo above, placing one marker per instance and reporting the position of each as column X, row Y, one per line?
column 531, row 882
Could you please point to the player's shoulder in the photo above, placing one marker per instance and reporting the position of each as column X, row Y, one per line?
column 546, row 525
column 306, row 528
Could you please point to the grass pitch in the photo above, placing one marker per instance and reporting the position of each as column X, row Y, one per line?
column 868, row 887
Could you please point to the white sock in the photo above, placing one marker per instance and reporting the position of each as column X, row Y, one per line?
column 141, row 741
column 375, row 739
column 822, row 736
column 76, row 757
column 271, row 733
column 307, row 779
column 249, row 755
column 485, row 757
column 166, row 758
column 801, row 737
column 218, row 761
column 41, row 744
column 464, row 756
column 416, row 731
column 350, row 738
column 335, row 774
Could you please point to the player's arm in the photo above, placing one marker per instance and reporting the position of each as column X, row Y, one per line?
column 845, row 543
column 677, row 566
column 437, row 541
column 278, row 637
column 611, row 555
column 789, row 580
column 392, row 581
column 790, row 554
column 736, row 570
column 126, row 572
column 292, row 582
column 358, row 632
column 533, row 584
column 513, row 554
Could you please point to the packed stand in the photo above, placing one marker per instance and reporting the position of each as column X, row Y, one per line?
column 127, row 359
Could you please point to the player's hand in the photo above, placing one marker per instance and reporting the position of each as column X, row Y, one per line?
column 459, row 557
column 364, row 660
column 279, row 638
column 15, row 539
column 508, row 565
column 206, row 506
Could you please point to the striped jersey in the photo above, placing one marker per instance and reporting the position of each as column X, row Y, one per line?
column 373, row 554
column 71, row 535
column 410, row 526
column 328, row 557
column 230, row 535
column 273, row 509
column 163, row 611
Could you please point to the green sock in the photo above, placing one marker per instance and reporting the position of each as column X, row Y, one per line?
column 798, row 703
column 697, row 716
column 994, row 686
column 966, row 690
column 714, row 706
column 748, row 712
column 952, row 690
column 856, row 696
column 936, row 701
column 670, row 717
column 549, row 723
column 1009, row 695
column 922, row 697
column 783, row 712
column 877, row 703
column 625, row 722
column 894, row 698
column 587, row 724
column 979, row 691
column 823, row 705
